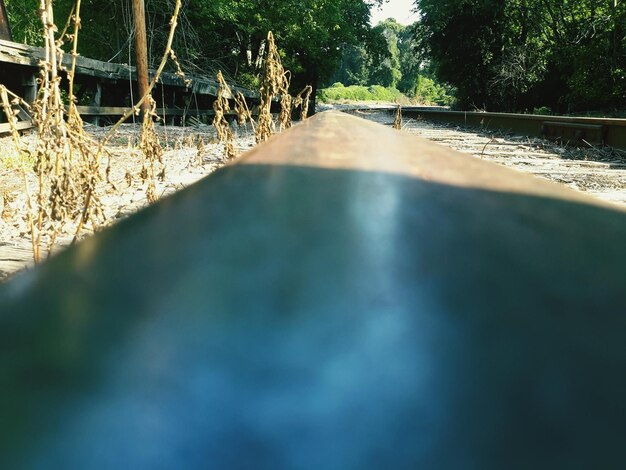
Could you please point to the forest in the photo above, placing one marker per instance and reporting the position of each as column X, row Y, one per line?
column 561, row 56
column 565, row 55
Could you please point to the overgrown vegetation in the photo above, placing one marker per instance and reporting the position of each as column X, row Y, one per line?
column 567, row 55
column 426, row 92
column 397, row 120
column 67, row 163
column 221, row 107
column 218, row 34
column 337, row 92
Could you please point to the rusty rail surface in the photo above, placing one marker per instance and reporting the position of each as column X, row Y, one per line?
column 344, row 296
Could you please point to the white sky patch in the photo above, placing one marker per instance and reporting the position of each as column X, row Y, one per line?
column 398, row 9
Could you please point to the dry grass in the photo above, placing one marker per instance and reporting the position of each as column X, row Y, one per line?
column 67, row 163
column 152, row 151
column 273, row 83
column 64, row 198
column 221, row 107
column 301, row 101
column 397, row 121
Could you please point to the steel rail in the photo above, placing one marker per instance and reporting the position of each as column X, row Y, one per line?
column 567, row 129
column 345, row 296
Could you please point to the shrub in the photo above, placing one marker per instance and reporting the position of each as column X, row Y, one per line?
column 543, row 110
column 339, row 92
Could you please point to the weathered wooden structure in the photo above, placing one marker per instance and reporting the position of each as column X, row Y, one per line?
column 104, row 89
column 346, row 296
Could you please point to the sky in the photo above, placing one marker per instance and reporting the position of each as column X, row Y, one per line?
column 398, row 9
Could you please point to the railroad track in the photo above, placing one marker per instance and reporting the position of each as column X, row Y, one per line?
column 599, row 171
column 344, row 296
column 584, row 131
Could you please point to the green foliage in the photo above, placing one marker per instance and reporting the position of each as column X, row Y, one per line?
column 105, row 25
column 354, row 66
column 216, row 34
column 391, row 62
column 387, row 72
column 249, row 80
column 427, row 91
column 462, row 38
column 542, row 110
column 520, row 54
column 338, row 92
column 24, row 21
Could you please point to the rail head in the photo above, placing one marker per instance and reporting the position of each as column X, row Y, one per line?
column 345, row 296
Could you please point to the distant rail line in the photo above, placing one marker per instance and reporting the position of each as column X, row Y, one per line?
column 583, row 131
column 599, row 171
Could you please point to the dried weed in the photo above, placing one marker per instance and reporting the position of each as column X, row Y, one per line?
column 221, row 108
column 397, row 121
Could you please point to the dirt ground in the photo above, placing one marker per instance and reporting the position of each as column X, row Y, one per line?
column 190, row 154
column 599, row 172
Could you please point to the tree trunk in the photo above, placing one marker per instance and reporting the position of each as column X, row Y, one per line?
column 141, row 50
column 5, row 28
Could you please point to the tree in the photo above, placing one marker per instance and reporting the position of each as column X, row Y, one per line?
column 358, row 62
column 354, row 66
column 388, row 73
column 219, row 34
column 463, row 39
column 311, row 34
column 411, row 66
column 517, row 54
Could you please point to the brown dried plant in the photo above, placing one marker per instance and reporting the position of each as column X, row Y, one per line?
column 66, row 161
column 397, row 121
column 284, row 118
column 198, row 160
column 302, row 100
column 221, row 108
column 243, row 111
column 21, row 149
column 168, row 53
column 274, row 83
column 152, row 153
column 10, row 101
column 65, row 164
column 63, row 159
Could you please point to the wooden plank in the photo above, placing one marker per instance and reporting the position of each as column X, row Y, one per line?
column 22, row 114
column 96, row 100
column 120, row 110
column 5, row 127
